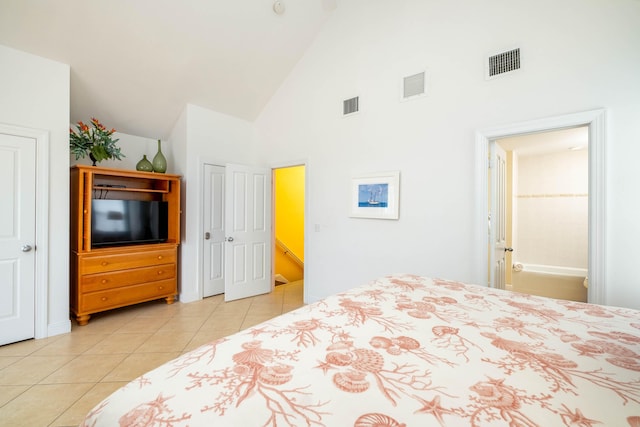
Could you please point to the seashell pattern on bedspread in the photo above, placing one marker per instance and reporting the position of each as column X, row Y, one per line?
column 407, row 351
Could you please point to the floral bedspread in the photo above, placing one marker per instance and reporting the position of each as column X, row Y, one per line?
column 403, row 351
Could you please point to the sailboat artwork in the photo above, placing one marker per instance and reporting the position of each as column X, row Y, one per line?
column 373, row 195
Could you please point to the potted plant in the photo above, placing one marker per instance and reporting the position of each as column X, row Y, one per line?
column 95, row 141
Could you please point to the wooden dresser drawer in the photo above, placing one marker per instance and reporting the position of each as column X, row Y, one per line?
column 115, row 279
column 99, row 263
column 104, row 300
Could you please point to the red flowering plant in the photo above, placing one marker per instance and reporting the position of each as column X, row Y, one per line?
column 94, row 140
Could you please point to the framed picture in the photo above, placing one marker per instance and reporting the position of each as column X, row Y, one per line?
column 375, row 195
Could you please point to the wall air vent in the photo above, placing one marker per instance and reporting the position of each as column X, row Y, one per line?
column 413, row 85
column 350, row 106
column 503, row 63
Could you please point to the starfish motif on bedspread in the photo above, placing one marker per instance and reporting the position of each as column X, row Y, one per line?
column 576, row 418
column 434, row 408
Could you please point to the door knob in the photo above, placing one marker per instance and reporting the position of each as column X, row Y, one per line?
column 508, row 249
column 207, row 235
column 26, row 248
column 229, row 239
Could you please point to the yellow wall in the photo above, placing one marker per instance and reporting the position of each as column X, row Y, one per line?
column 289, row 218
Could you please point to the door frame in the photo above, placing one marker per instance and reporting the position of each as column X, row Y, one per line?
column 307, row 224
column 596, row 122
column 41, row 328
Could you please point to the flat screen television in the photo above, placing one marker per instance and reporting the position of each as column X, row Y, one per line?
column 127, row 222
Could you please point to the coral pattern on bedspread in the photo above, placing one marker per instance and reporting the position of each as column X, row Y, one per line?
column 403, row 351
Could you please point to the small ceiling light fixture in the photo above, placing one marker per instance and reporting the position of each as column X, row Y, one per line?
column 278, row 7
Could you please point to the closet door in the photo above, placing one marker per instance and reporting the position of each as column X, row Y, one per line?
column 248, row 228
column 17, row 237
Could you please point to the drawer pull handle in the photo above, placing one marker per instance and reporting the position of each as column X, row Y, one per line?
column 159, row 256
column 160, row 272
column 103, row 263
column 160, row 288
column 104, row 281
column 104, row 298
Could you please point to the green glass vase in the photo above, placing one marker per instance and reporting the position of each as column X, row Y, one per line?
column 144, row 165
column 159, row 161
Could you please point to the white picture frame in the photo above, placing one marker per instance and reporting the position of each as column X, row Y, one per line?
column 375, row 195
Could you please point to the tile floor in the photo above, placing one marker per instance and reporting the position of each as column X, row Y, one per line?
column 56, row 381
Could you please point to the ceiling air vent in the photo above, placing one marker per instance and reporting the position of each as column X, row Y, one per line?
column 413, row 85
column 350, row 106
column 503, row 63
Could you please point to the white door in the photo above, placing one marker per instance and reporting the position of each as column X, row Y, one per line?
column 248, row 231
column 498, row 217
column 213, row 251
column 17, row 237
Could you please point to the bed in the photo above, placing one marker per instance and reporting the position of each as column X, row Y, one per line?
column 403, row 350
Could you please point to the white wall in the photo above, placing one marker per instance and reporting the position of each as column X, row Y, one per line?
column 552, row 216
column 213, row 138
column 578, row 55
column 35, row 94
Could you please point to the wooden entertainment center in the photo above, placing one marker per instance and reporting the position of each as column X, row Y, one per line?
column 105, row 278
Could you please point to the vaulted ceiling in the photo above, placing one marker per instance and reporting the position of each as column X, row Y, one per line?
column 135, row 64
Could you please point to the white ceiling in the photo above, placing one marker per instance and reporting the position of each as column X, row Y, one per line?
column 555, row 141
column 135, row 64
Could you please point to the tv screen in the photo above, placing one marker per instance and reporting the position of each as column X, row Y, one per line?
column 127, row 222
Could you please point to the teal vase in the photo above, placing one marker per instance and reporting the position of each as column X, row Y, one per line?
column 144, row 165
column 159, row 161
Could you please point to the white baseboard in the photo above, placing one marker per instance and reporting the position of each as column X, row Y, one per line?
column 58, row 328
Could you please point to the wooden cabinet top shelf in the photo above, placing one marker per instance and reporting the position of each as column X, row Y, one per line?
column 131, row 189
column 113, row 172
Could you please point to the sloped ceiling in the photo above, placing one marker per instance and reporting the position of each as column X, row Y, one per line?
column 135, row 64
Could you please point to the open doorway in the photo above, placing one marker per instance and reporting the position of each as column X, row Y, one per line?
column 547, row 189
column 288, row 219
column 594, row 120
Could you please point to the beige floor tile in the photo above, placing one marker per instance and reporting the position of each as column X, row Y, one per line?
column 137, row 364
column 198, row 308
column 102, row 323
column 72, row 344
column 254, row 319
column 41, row 404
column 163, row 342
column 31, row 370
column 77, row 412
column 87, row 368
column 119, row 343
column 25, row 348
column 143, row 324
column 9, row 360
column 227, row 322
column 206, row 336
column 184, row 324
column 9, row 392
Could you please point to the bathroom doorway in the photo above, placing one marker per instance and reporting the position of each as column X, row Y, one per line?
column 595, row 121
column 547, row 213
